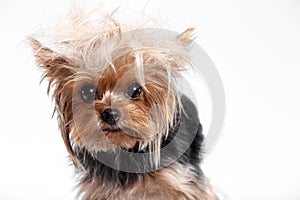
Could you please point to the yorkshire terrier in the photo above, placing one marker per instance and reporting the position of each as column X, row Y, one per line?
column 129, row 131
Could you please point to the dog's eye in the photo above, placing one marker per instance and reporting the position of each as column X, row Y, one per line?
column 88, row 93
column 134, row 91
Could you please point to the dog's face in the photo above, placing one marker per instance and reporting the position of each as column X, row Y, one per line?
column 114, row 108
column 130, row 101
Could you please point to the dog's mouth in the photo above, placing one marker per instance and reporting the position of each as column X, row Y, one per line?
column 112, row 130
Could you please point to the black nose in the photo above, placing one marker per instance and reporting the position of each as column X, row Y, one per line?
column 110, row 116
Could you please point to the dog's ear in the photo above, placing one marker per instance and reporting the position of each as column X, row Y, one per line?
column 181, row 61
column 57, row 67
column 187, row 37
column 59, row 70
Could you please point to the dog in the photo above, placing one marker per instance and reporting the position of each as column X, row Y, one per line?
column 129, row 131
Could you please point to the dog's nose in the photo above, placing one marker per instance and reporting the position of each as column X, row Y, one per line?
column 110, row 116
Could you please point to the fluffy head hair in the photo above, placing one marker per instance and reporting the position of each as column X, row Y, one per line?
column 110, row 56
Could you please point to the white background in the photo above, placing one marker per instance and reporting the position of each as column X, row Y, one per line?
column 255, row 45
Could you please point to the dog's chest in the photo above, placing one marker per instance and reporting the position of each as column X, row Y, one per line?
column 173, row 182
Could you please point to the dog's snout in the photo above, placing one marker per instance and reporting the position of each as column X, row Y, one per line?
column 110, row 116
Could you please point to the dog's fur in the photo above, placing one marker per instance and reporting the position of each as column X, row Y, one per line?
column 74, row 57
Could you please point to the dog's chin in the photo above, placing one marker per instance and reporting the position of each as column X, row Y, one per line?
column 120, row 138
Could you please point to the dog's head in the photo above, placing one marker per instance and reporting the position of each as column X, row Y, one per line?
column 113, row 88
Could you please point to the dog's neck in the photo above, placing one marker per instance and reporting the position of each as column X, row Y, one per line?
column 95, row 169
